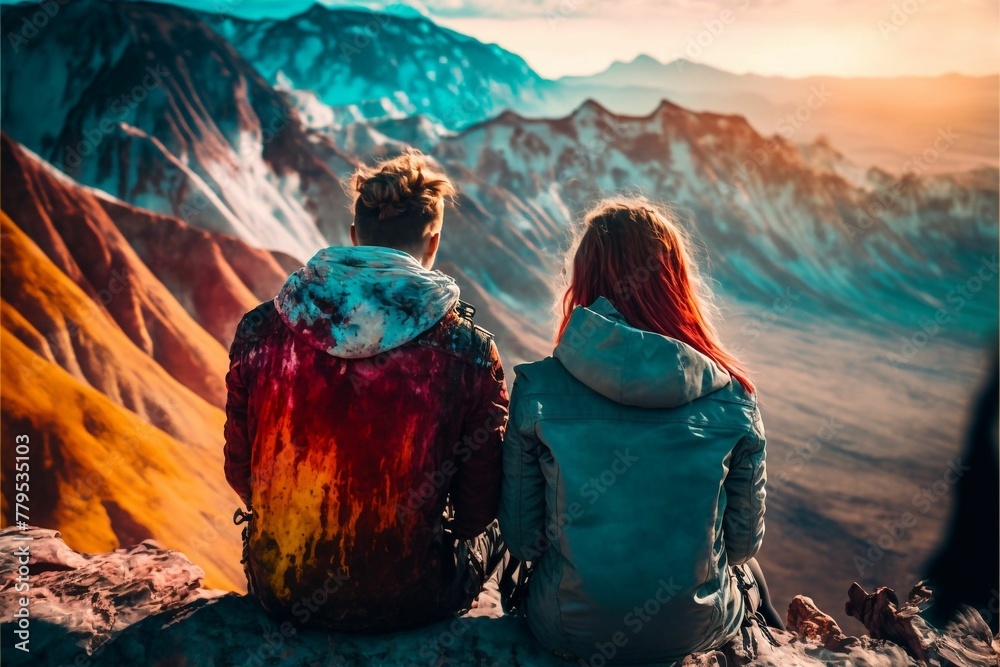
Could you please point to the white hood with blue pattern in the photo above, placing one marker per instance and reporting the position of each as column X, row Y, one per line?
column 357, row 302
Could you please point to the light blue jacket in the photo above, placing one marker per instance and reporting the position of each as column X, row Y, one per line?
column 633, row 478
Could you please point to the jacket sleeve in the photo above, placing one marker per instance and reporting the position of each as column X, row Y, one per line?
column 475, row 488
column 522, row 500
column 237, row 448
column 743, row 521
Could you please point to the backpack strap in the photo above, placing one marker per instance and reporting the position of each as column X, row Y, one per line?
column 746, row 583
column 257, row 324
column 456, row 334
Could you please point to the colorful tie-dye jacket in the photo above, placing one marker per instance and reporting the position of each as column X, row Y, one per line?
column 361, row 400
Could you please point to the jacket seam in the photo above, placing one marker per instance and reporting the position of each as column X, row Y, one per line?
column 738, row 429
column 749, row 499
column 520, row 491
column 621, row 376
column 449, row 353
column 747, row 454
column 749, row 404
column 560, row 563
column 479, row 344
column 750, row 493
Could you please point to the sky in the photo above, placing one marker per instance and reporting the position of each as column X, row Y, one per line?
column 771, row 37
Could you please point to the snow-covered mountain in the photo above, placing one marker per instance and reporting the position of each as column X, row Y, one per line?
column 146, row 102
column 392, row 60
column 770, row 220
column 394, row 63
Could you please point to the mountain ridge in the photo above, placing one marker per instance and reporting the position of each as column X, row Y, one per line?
column 680, row 64
column 93, row 291
column 484, row 78
column 220, row 148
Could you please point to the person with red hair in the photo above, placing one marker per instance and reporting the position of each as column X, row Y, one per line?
column 634, row 458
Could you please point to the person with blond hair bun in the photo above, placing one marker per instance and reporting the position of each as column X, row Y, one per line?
column 364, row 423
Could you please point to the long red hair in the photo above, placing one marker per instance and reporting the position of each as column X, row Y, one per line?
column 636, row 256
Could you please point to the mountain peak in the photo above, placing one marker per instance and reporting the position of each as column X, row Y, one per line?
column 320, row 11
column 685, row 65
column 667, row 105
column 441, row 86
column 645, row 59
column 406, row 10
column 592, row 105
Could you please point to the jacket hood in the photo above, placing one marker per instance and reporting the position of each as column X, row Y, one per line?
column 356, row 302
column 632, row 366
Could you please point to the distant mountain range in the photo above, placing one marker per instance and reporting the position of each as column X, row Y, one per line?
column 892, row 123
column 771, row 217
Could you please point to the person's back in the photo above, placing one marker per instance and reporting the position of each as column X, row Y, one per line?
column 361, row 400
column 634, row 468
column 639, row 431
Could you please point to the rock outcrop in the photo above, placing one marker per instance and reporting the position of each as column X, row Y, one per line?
column 145, row 605
column 77, row 602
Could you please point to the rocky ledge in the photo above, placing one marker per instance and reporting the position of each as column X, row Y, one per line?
column 145, row 606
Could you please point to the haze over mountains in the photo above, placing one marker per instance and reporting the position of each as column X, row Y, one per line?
column 780, row 225
column 205, row 157
column 884, row 122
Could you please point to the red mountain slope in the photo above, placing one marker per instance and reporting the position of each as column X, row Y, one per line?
column 116, row 323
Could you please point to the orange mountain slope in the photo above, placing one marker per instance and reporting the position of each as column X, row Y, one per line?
column 105, row 478
column 116, row 323
column 52, row 316
column 73, row 230
column 100, row 473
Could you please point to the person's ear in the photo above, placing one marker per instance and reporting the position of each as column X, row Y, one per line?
column 433, row 241
column 354, row 235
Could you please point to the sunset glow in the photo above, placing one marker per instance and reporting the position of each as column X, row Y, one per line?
column 793, row 38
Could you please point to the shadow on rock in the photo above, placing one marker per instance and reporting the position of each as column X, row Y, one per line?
column 234, row 630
